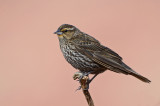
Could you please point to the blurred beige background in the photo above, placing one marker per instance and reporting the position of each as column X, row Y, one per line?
column 33, row 71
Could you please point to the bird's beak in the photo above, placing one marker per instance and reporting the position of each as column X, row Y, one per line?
column 58, row 33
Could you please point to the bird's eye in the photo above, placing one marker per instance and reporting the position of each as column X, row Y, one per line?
column 65, row 30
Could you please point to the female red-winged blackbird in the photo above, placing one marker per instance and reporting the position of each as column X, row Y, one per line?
column 86, row 54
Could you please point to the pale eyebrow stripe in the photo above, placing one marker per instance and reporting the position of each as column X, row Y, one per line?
column 66, row 29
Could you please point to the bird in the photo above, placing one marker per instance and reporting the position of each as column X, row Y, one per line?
column 89, row 56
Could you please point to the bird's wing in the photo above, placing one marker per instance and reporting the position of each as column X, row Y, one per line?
column 89, row 43
column 105, row 57
column 100, row 54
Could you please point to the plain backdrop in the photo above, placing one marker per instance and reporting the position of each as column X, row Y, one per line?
column 33, row 71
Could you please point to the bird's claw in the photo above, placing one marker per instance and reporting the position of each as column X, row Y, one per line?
column 79, row 88
column 79, row 76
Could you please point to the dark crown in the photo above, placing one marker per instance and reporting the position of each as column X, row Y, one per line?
column 66, row 26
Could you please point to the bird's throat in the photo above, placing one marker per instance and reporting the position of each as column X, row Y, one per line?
column 60, row 35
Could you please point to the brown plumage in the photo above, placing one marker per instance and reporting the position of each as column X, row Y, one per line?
column 86, row 54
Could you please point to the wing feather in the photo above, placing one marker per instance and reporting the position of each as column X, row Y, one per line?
column 100, row 54
column 105, row 56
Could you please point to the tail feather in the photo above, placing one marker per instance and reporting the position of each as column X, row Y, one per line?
column 135, row 74
column 140, row 77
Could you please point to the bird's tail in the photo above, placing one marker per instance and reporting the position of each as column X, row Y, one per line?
column 140, row 77
column 135, row 74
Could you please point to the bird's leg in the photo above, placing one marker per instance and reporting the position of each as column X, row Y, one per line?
column 88, row 82
column 87, row 73
column 92, row 79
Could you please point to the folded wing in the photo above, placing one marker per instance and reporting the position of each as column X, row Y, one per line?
column 105, row 57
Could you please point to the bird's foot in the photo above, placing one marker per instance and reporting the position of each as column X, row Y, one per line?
column 83, row 79
column 78, row 76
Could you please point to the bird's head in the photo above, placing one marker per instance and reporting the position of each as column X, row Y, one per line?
column 66, row 31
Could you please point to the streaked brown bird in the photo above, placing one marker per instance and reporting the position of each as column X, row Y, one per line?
column 86, row 54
